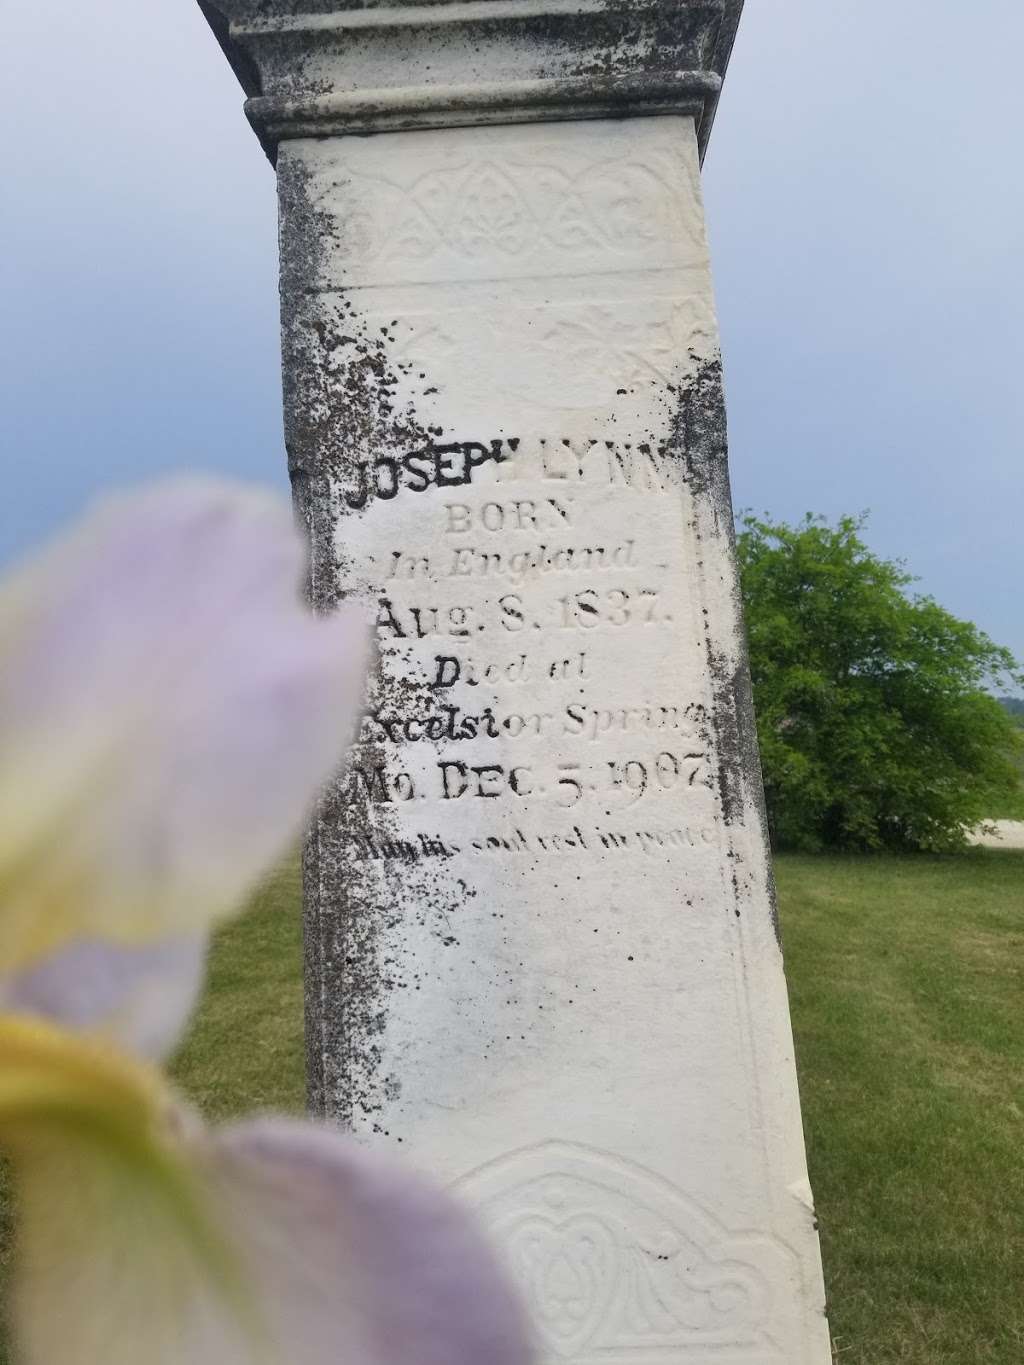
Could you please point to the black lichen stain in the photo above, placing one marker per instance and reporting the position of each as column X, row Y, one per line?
column 340, row 386
column 698, row 442
column 378, row 889
column 340, row 382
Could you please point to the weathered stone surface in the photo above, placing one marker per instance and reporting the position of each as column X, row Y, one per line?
column 321, row 68
column 542, row 952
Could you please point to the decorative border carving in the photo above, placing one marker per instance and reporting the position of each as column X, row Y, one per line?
column 621, row 1268
column 510, row 209
column 597, row 349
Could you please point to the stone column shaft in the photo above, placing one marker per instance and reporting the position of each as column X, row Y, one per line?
column 542, row 952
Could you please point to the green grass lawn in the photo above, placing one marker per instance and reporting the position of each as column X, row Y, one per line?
column 907, row 984
column 906, row 978
column 245, row 1049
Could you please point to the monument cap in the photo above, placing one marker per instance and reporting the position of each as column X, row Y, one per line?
column 324, row 69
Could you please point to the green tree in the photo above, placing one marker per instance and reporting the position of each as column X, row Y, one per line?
column 875, row 725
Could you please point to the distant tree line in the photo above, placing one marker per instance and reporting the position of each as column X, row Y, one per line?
column 876, row 714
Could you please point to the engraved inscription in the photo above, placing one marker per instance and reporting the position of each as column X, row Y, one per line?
column 564, row 460
column 502, row 627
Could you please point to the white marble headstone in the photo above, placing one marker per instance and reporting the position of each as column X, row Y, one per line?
column 542, row 955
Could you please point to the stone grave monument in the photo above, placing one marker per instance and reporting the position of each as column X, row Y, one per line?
column 542, row 958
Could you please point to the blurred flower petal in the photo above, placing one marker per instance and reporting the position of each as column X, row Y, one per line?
column 356, row 1259
column 118, row 1256
column 140, row 997
column 168, row 707
column 145, row 1238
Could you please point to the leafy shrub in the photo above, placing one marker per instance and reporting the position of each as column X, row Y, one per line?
column 875, row 725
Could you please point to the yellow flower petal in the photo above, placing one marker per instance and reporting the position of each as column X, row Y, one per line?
column 116, row 1245
column 50, row 1079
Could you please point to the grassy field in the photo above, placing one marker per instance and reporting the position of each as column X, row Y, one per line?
column 245, row 1049
column 907, row 985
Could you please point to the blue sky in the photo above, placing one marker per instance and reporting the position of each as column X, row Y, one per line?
column 866, row 212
